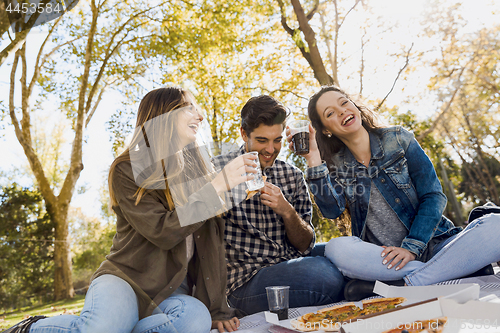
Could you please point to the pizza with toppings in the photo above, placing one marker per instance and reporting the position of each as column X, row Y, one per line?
column 435, row 325
column 330, row 319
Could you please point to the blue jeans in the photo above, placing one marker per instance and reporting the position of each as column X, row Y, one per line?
column 459, row 255
column 111, row 306
column 313, row 280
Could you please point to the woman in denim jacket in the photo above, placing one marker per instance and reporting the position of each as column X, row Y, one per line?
column 389, row 185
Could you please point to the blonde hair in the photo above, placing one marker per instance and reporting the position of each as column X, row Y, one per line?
column 181, row 165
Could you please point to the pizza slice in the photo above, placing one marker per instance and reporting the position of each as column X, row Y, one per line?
column 330, row 319
column 377, row 305
column 322, row 319
column 435, row 325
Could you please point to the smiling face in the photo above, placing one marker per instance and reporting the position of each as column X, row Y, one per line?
column 188, row 124
column 266, row 140
column 338, row 114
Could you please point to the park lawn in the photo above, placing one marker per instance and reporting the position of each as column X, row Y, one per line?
column 71, row 306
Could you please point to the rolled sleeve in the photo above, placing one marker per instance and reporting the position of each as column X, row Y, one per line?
column 318, row 171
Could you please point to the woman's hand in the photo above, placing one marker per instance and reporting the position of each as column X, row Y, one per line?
column 234, row 172
column 397, row 255
column 230, row 325
column 313, row 158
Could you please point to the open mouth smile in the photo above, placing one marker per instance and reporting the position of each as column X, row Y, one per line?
column 267, row 157
column 348, row 120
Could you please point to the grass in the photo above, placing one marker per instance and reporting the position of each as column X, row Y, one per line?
column 71, row 306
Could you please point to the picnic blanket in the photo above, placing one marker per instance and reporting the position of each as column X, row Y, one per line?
column 256, row 323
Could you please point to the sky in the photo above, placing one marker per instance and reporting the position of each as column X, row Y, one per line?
column 97, row 152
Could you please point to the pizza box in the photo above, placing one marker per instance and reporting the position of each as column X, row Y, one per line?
column 465, row 313
column 461, row 292
column 414, row 306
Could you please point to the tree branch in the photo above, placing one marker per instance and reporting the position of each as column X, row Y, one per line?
column 26, row 120
column 76, row 165
column 316, row 62
column 348, row 12
column 96, row 104
column 36, row 73
column 110, row 50
column 22, row 30
column 284, row 24
column 441, row 115
column 273, row 91
column 33, row 160
column 333, row 61
column 493, row 86
column 12, row 108
column 14, row 45
column 310, row 15
column 397, row 77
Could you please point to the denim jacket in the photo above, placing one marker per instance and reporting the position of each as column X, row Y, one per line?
column 403, row 174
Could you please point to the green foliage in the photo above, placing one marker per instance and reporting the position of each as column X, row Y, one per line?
column 409, row 121
column 226, row 53
column 471, row 172
column 91, row 241
column 26, row 248
column 466, row 78
column 120, row 126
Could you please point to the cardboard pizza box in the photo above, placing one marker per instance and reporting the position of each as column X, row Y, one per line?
column 465, row 313
column 413, row 309
column 399, row 317
column 461, row 292
column 471, row 317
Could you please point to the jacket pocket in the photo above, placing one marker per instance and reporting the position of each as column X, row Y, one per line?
column 349, row 185
column 398, row 173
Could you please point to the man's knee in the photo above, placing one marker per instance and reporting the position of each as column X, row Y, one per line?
column 326, row 273
column 325, row 280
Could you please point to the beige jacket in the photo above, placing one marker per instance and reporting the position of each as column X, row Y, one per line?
column 149, row 247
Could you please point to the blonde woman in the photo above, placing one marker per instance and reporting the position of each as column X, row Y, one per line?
column 166, row 270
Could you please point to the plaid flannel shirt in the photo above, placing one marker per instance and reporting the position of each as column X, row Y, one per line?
column 255, row 235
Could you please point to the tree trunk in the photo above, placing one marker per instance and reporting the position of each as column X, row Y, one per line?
column 483, row 168
column 316, row 61
column 331, row 57
column 63, row 280
column 58, row 206
column 13, row 46
column 457, row 209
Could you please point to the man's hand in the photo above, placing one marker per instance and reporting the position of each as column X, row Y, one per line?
column 271, row 196
column 230, row 325
column 397, row 255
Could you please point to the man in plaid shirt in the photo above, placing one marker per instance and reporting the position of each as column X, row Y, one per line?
column 269, row 237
